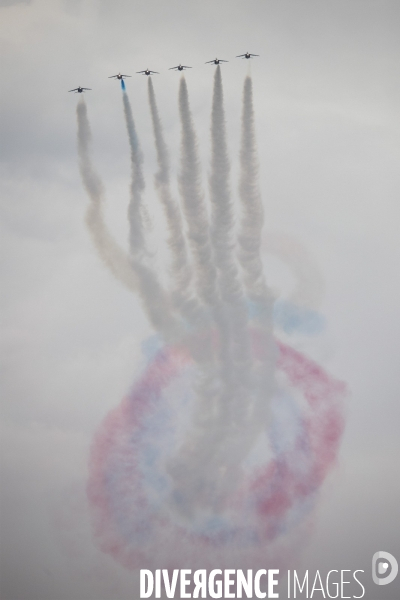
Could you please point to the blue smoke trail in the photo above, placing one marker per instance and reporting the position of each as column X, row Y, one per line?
column 122, row 84
column 292, row 318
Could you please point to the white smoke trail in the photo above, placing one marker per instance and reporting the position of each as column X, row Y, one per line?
column 239, row 413
column 110, row 252
column 227, row 428
column 193, row 469
column 194, row 206
column 182, row 293
column 222, row 236
column 135, row 210
column 252, row 214
column 229, row 432
column 195, row 212
column 233, row 387
column 249, row 254
column 238, row 393
column 156, row 301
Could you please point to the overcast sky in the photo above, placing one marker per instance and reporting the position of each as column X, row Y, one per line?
column 326, row 89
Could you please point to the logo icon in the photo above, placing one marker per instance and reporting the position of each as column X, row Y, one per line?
column 384, row 568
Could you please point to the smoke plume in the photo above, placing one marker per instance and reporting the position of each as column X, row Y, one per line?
column 216, row 454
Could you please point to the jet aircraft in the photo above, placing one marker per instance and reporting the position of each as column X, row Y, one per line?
column 216, row 61
column 247, row 55
column 179, row 68
column 119, row 76
column 148, row 72
column 79, row 90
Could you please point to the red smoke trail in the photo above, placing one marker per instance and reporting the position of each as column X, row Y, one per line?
column 286, row 482
column 269, row 502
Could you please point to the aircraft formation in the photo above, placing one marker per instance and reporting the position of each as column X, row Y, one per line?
column 180, row 67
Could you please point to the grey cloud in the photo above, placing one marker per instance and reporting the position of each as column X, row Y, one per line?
column 5, row 3
column 326, row 113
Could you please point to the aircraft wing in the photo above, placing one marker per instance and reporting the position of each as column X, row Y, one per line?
column 86, row 88
column 154, row 72
column 254, row 55
column 186, row 67
column 240, row 55
column 209, row 61
column 111, row 76
column 126, row 75
column 74, row 90
column 171, row 68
